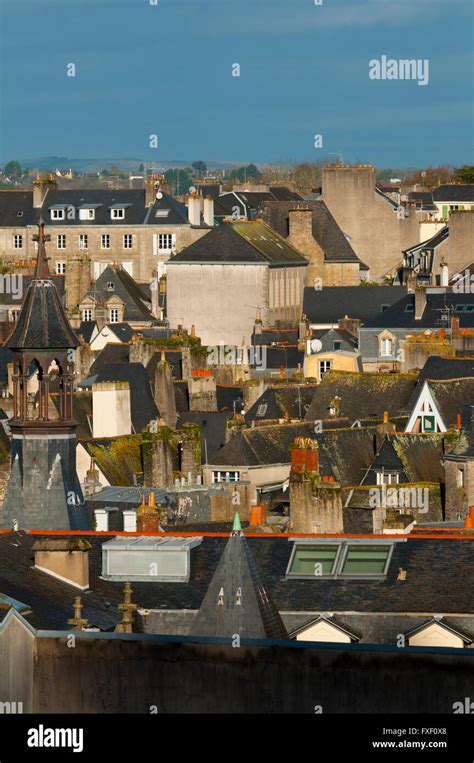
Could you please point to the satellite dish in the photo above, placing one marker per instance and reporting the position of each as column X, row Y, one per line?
column 192, row 189
column 159, row 195
column 316, row 345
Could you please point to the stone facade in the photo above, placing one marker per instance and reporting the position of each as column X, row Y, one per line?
column 377, row 234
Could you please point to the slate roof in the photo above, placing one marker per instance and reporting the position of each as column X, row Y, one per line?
column 334, row 302
column 42, row 322
column 177, row 212
column 430, row 243
column 280, row 400
column 111, row 353
column 85, row 330
column 227, row 395
column 288, row 357
column 14, row 202
column 439, row 368
column 430, row 503
column 246, row 242
column 237, row 601
column 416, row 457
column 345, row 454
column 459, row 305
column 454, row 192
column 439, row 579
column 451, row 396
column 137, row 304
column 213, row 429
column 123, row 331
column 362, row 395
column 326, row 231
column 268, row 336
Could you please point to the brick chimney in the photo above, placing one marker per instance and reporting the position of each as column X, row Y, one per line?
column 65, row 558
column 454, row 326
column 148, row 515
column 304, row 457
column 111, row 411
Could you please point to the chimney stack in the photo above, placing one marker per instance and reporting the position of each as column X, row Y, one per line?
column 420, row 302
column 304, row 458
column 194, row 209
column 111, row 411
column 209, row 211
column 65, row 559
column 151, row 187
column 40, row 189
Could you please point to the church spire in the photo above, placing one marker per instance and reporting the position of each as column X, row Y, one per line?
column 42, row 267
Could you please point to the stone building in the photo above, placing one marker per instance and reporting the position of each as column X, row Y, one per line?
column 90, row 229
column 310, row 227
column 219, row 283
column 379, row 230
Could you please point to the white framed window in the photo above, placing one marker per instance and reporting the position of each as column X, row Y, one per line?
column 324, row 367
column 221, row 476
column 61, row 241
column 17, row 241
column 460, row 478
column 113, row 315
column 164, row 243
column 87, row 214
column 83, row 241
column 386, row 348
column 87, row 314
column 60, row 268
column 117, row 214
column 127, row 241
column 14, row 314
column 58, row 214
column 105, row 241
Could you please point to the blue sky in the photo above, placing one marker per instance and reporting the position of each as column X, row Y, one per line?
column 167, row 70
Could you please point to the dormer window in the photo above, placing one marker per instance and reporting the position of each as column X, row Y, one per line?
column 117, row 214
column 110, row 286
column 87, row 211
column 58, row 213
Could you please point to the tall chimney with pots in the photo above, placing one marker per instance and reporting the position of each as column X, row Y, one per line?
column 194, row 209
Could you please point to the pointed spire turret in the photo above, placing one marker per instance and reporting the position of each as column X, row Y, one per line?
column 42, row 267
column 237, row 602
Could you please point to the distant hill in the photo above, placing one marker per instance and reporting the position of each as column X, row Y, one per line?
column 96, row 165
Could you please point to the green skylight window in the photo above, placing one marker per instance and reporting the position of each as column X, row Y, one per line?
column 313, row 560
column 365, row 560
